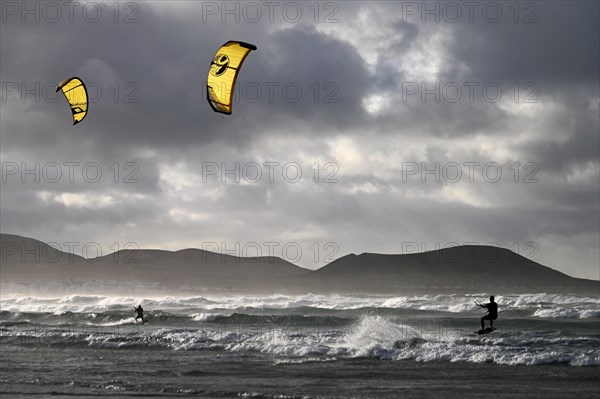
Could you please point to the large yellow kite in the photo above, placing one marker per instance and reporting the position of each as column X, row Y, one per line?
column 223, row 72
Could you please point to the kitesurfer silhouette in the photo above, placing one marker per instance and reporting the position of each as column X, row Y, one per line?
column 140, row 313
column 492, row 315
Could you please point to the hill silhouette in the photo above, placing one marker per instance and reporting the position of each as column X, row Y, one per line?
column 466, row 268
column 29, row 263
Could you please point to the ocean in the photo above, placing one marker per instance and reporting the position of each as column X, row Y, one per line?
column 310, row 346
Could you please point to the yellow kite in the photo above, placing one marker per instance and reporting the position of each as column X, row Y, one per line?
column 223, row 72
column 76, row 94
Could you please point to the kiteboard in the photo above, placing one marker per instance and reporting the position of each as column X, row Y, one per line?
column 486, row 331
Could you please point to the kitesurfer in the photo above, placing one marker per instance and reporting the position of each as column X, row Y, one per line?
column 492, row 308
column 140, row 313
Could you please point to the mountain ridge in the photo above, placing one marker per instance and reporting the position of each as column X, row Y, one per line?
column 461, row 268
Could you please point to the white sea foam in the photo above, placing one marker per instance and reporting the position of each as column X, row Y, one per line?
column 537, row 305
column 378, row 337
column 128, row 320
column 561, row 312
column 205, row 316
column 373, row 336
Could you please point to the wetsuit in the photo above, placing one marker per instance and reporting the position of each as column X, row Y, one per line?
column 140, row 313
column 492, row 315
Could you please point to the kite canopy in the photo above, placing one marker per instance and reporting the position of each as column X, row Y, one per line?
column 76, row 94
column 223, row 72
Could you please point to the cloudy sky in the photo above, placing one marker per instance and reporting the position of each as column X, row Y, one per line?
column 357, row 127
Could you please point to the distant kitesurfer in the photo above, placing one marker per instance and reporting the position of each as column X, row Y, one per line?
column 140, row 313
column 492, row 315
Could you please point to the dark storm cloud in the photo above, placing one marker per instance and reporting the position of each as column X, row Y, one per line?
column 555, row 51
column 332, row 80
